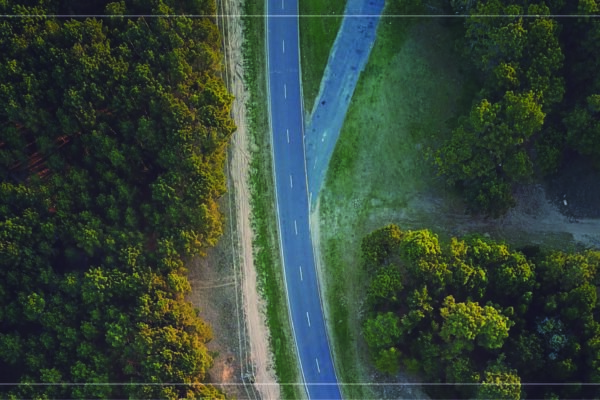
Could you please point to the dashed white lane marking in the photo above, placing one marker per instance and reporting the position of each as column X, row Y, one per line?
column 295, row 227
column 283, row 45
column 301, row 273
column 317, row 361
column 282, row 7
column 291, row 183
column 287, row 132
column 284, row 91
column 308, row 318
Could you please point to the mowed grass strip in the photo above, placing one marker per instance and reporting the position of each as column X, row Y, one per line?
column 319, row 24
column 264, row 222
column 411, row 87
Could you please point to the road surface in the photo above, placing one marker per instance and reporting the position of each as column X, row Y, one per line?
column 347, row 59
column 286, row 117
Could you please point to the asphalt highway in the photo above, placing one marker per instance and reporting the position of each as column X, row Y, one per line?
column 286, row 117
column 347, row 60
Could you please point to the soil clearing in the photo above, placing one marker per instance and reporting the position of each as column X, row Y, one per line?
column 224, row 284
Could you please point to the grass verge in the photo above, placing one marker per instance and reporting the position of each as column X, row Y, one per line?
column 319, row 24
column 264, row 223
column 412, row 85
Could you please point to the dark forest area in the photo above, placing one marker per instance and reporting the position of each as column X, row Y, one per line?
column 476, row 318
column 113, row 138
column 537, row 115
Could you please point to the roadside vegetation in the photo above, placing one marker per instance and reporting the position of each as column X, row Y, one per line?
column 319, row 26
column 474, row 311
column 264, row 220
column 419, row 97
column 113, row 139
column 407, row 90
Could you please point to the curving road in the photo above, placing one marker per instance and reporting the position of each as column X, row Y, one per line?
column 286, row 117
column 347, row 59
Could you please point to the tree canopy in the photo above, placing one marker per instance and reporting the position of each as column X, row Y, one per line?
column 112, row 149
column 476, row 311
column 539, row 99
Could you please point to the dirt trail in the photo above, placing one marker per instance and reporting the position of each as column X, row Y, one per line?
column 535, row 213
column 533, row 219
column 224, row 284
column 254, row 307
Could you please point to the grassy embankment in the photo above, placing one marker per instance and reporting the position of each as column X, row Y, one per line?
column 411, row 87
column 266, row 245
column 414, row 85
column 318, row 30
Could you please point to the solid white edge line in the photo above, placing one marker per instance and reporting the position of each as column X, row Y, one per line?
column 289, row 309
column 303, row 135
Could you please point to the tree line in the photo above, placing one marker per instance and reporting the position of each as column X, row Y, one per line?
column 483, row 316
column 112, row 147
column 539, row 103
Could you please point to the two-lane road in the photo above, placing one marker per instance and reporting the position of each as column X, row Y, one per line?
column 286, row 116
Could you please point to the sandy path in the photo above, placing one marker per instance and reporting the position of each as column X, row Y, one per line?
column 534, row 217
column 253, row 304
column 536, row 214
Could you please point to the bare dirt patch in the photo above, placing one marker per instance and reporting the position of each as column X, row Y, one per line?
column 214, row 290
column 224, row 284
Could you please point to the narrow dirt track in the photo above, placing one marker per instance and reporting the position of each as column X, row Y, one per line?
column 253, row 304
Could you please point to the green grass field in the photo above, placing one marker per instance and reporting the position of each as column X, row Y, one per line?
column 411, row 87
column 318, row 29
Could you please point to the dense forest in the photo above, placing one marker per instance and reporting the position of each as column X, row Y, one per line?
column 539, row 104
column 476, row 312
column 113, row 135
